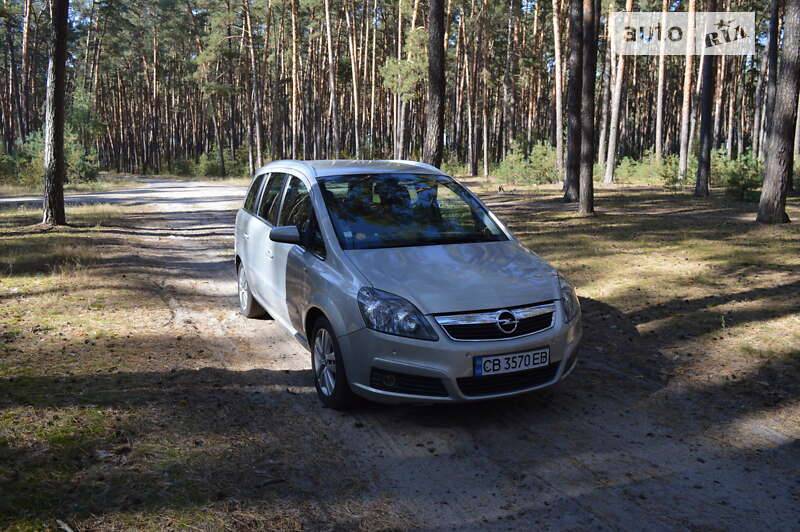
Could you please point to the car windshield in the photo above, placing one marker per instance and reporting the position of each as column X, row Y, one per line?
column 371, row 211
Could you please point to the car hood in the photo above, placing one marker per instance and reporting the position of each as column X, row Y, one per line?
column 459, row 277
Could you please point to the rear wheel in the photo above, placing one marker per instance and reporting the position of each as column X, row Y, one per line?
column 248, row 306
column 327, row 366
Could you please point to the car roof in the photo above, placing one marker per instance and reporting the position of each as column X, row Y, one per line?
column 322, row 168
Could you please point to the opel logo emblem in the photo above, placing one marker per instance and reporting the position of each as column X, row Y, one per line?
column 507, row 322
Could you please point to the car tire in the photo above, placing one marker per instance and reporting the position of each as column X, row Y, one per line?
column 248, row 307
column 327, row 367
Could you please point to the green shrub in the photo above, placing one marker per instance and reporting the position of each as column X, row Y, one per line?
column 181, row 167
column 208, row 165
column 240, row 166
column 647, row 171
column 538, row 167
column 741, row 177
column 454, row 167
column 81, row 163
column 8, row 167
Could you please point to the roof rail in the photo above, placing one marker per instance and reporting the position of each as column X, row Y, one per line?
column 419, row 164
column 290, row 162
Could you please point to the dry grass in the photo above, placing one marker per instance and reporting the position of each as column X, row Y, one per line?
column 105, row 182
column 226, row 181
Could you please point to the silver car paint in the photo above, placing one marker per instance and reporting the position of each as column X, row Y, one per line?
column 457, row 278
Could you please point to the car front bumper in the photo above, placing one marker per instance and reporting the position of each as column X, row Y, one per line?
column 450, row 361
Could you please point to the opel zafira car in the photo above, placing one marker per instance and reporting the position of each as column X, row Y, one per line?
column 401, row 283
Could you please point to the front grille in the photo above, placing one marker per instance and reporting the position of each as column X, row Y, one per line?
column 404, row 383
column 490, row 331
column 507, row 382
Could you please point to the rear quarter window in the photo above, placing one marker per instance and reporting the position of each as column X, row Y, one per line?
column 252, row 194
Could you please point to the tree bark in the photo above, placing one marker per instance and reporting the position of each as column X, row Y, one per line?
column 707, row 91
column 574, row 92
column 686, row 106
column 772, row 79
column 255, row 92
column 332, row 83
column 591, row 9
column 660, row 91
column 613, row 127
column 54, row 168
column 559, row 133
column 778, row 169
column 434, row 130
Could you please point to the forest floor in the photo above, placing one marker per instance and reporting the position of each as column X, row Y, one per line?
column 132, row 394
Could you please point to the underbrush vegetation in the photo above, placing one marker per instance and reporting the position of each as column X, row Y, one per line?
column 740, row 177
column 537, row 167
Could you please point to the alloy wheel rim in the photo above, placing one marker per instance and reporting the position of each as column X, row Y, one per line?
column 242, row 289
column 324, row 362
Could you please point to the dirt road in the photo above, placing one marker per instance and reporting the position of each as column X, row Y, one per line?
column 621, row 446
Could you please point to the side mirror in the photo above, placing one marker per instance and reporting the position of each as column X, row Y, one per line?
column 288, row 234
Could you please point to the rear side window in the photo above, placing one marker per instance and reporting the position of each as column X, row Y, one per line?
column 270, row 199
column 252, row 194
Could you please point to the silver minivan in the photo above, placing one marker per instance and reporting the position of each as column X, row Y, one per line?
column 401, row 283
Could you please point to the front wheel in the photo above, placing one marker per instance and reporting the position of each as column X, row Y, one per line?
column 248, row 307
column 330, row 378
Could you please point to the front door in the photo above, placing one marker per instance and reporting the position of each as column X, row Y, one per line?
column 299, row 260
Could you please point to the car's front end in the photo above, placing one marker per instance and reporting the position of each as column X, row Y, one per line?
column 453, row 307
column 464, row 356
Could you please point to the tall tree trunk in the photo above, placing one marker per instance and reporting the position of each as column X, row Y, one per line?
column 778, row 169
column 351, row 41
column 613, row 127
column 434, row 114
column 707, row 91
column 255, row 92
column 332, row 83
column 19, row 110
column 558, row 90
column 574, row 92
column 591, row 10
column 686, row 106
column 608, row 66
column 758, row 103
column 25, row 60
column 660, row 90
column 54, row 168
column 295, row 80
column 772, row 79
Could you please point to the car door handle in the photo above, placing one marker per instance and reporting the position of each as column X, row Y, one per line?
column 246, row 236
column 268, row 253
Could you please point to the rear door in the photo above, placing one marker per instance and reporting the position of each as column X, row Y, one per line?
column 261, row 252
column 244, row 218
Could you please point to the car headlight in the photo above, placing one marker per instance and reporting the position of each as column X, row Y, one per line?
column 392, row 314
column 568, row 300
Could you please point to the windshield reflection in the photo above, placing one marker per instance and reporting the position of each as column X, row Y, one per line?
column 371, row 211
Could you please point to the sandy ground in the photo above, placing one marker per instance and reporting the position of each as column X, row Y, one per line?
column 621, row 446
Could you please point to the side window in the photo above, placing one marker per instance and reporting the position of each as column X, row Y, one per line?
column 270, row 199
column 297, row 211
column 296, row 204
column 252, row 194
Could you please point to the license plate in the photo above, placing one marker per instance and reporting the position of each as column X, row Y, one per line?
column 494, row 365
